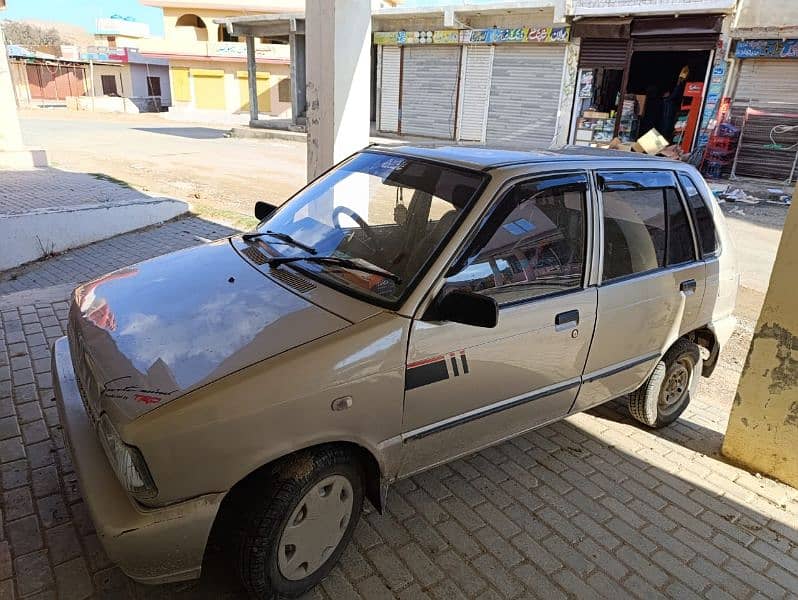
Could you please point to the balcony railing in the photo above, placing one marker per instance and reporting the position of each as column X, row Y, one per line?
column 212, row 49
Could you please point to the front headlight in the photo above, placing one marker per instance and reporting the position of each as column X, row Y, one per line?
column 127, row 462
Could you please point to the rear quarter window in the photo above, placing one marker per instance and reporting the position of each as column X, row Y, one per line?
column 702, row 216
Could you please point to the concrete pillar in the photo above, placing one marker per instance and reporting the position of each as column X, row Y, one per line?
column 763, row 426
column 338, row 40
column 252, row 79
column 10, row 134
column 296, row 44
column 13, row 155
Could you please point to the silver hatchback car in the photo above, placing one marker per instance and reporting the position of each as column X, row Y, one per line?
column 410, row 306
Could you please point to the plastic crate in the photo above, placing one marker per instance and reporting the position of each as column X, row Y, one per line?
column 722, row 144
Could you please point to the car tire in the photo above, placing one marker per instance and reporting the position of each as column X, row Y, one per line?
column 667, row 392
column 321, row 490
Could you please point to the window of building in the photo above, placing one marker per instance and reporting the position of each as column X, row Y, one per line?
column 284, row 90
column 191, row 27
column 532, row 245
column 645, row 224
column 702, row 216
column 225, row 36
column 112, row 41
column 153, row 86
column 108, row 83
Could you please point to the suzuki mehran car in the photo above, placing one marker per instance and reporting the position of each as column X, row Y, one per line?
column 410, row 306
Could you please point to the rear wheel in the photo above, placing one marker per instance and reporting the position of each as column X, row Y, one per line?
column 667, row 392
column 298, row 523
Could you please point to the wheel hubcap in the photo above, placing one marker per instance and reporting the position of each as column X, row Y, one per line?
column 315, row 528
column 676, row 387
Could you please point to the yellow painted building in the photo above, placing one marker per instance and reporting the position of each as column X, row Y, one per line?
column 207, row 66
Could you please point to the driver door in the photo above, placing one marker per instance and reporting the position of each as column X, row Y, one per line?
column 467, row 387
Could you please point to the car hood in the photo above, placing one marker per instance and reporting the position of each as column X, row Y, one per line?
column 147, row 334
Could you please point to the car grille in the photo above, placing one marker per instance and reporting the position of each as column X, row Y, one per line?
column 300, row 284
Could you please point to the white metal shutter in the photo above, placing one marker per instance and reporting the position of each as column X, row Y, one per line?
column 768, row 80
column 429, row 90
column 472, row 116
column 525, row 94
column 389, row 88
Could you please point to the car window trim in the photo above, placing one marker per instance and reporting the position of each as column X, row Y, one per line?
column 493, row 205
column 679, row 193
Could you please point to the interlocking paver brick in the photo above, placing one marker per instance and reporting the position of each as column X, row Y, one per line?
column 62, row 543
column 17, row 503
column 73, row 580
column 24, row 535
column 592, row 505
column 466, row 577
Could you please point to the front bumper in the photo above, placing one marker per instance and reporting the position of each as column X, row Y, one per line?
column 150, row 545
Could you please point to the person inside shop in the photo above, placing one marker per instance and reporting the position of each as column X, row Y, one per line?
column 652, row 111
column 671, row 103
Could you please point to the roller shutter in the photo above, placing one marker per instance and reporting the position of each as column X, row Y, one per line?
column 429, row 90
column 525, row 94
column 769, row 87
column 474, row 93
column 389, row 88
column 762, row 80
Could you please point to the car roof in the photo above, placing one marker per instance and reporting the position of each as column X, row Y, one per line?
column 483, row 158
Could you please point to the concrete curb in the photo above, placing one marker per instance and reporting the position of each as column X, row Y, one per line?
column 37, row 233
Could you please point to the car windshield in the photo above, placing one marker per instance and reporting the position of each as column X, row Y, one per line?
column 385, row 213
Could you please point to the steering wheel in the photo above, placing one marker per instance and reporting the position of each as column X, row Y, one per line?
column 373, row 245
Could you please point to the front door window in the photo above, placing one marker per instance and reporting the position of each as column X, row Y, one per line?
column 533, row 245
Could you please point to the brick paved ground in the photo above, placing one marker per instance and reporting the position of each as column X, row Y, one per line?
column 595, row 506
column 26, row 191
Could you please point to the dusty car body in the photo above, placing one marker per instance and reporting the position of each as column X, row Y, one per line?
column 461, row 323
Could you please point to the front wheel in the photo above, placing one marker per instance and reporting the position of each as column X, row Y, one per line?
column 667, row 392
column 295, row 531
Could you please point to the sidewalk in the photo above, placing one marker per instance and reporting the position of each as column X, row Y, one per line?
column 48, row 210
column 595, row 506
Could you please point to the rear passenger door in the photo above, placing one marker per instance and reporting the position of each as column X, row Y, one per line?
column 651, row 283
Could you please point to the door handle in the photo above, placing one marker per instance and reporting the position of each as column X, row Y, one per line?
column 566, row 320
column 688, row 287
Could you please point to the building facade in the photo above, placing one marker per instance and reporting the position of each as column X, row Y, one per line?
column 207, row 66
column 549, row 72
column 763, row 88
column 489, row 74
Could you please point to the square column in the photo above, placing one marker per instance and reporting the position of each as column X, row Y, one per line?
column 338, row 42
column 763, row 426
column 10, row 134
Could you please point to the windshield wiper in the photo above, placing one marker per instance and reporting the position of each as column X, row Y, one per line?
column 337, row 261
column 283, row 237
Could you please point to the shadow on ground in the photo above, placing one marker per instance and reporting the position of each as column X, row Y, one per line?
column 194, row 133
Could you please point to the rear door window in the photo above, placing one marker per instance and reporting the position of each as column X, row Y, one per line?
column 702, row 216
column 645, row 224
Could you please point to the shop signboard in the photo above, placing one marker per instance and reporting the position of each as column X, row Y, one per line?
column 766, row 49
column 493, row 35
column 628, row 7
column 101, row 53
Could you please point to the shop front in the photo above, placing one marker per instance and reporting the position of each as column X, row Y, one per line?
column 765, row 108
column 643, row 73
column 494, row 85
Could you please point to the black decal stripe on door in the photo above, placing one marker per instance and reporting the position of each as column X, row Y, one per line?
column 425, row 374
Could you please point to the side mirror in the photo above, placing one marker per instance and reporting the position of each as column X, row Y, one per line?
column 263, row 210
column 468, row 308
